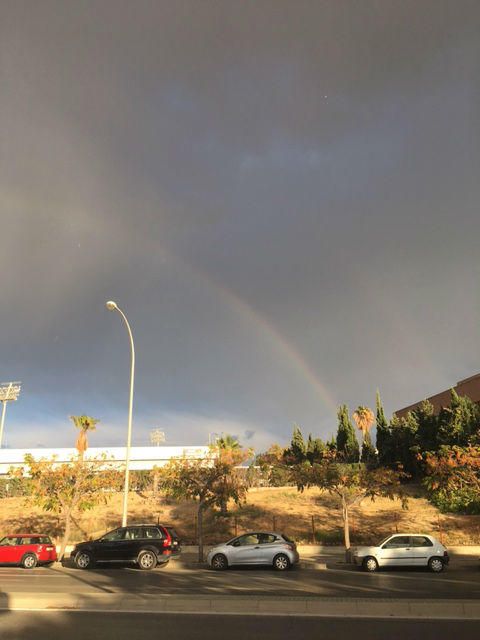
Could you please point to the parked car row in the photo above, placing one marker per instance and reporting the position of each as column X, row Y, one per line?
column 151, row 545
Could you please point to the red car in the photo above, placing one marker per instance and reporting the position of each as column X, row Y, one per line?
column 27, row 550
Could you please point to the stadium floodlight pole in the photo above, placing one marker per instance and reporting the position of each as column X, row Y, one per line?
column 8, row 391
column 112, row 306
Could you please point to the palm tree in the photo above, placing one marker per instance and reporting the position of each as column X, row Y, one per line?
column 364, row 419
column 85, row 424
column 228, row 442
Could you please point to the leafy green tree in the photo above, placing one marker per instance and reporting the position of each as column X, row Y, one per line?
column 208, row 482
column 69, row 488
column 427, row 431
column 459, row 423
column 347, row 443
column 350, row 484
column 273, row 466
column 369, row 453
column 404, row 443
column 453, row 478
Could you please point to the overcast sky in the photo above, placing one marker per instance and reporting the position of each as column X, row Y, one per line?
column 283, row 197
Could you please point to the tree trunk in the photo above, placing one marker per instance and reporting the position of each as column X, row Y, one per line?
column 66, row 534
column 346, row 530
column 155, row 483
column 200, row 531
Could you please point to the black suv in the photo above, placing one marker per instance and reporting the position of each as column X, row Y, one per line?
column 145, row 544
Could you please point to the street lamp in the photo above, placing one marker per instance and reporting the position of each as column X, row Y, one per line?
column 112, row 306
column 8, row 391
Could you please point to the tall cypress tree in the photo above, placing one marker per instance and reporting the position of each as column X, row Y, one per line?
column 347, row 443
column 384, row 436
column 298, row 448
column 315, row 449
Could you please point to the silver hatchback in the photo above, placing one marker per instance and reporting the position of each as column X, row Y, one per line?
column 259, row 547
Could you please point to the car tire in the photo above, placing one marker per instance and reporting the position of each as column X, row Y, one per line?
column 281, row 562
column 83, row 560
column 219, row 562
column 147, row 560
column 29, row 561
column 435, row 564
column 370, row 564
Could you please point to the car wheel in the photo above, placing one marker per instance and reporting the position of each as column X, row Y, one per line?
column 83, row 560
column 147, row 560
column 370, row 564
column 435, row 564
column 29, row 561
column 281, row 562
column 219, row 562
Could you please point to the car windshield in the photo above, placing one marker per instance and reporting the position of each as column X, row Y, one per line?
column 384, row 540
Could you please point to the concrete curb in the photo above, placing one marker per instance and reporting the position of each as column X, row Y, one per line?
column 244, row 605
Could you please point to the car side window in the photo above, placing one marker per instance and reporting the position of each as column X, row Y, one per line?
column 266, row 538
column 27, row 541
column 421, row 541
column 398, row 542
column 249, row 538
column 133, row 533
column 117, row 534
column 152, row 533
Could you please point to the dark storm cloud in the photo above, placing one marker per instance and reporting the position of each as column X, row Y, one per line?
column 282, row 195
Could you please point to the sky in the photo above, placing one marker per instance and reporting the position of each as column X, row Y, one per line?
column 282, row 196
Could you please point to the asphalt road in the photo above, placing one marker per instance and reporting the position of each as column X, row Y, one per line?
column 123, row 626
column 345, row 582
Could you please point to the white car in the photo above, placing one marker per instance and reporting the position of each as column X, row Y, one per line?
column 403, row 549
column 259, row 547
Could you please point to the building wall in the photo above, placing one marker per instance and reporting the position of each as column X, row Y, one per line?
column 141, row 458
column 469, row 387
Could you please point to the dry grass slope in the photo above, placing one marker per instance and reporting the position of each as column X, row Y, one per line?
column 266, row 508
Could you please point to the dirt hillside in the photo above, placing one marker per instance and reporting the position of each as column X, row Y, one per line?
column 305, row 516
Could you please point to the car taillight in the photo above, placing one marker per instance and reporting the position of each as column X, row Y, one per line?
column 289, row 546
column 445, row 554
column 168, row 541
column 49, row 548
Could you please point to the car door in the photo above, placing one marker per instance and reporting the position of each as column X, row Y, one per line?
column 267, row 548
column 129, row 546
column 396, row 551
column 243, row 549
column 106, row 548
column 9, row 550
column 421, row 549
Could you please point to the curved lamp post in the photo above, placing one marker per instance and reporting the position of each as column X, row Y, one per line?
column 112, row 306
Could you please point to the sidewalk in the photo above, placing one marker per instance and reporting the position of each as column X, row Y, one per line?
column 244, row 605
